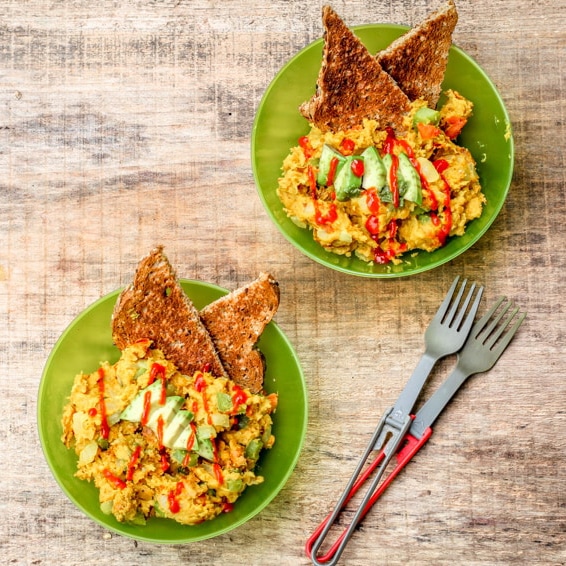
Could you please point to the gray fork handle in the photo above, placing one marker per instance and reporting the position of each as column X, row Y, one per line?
column 435, row 405
column 406, row 401
column 399, row 414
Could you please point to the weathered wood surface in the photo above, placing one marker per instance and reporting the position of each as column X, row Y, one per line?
column 126, row 124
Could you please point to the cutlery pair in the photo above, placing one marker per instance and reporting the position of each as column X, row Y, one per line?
column 401, row 433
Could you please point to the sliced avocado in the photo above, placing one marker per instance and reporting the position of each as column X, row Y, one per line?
column 374, row 170
column 328, row 153
column 134, row 411
column 178, row 424
column 426, row 116
column 205, row 449
column 166, row 412
column 409, row 180
column 182, row 440
column 347, row 184
column 385, row 194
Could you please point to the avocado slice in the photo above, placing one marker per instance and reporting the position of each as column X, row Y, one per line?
column 347, row 184
column 375, row 175
column 205, row 449
column 179, row 423
column 409, row 180
column 134, row 411
column 182, row 439
column 326, row 157
column 166, row 412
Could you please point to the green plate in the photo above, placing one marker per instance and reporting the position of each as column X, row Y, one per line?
column 88, row 341
column 278, row 126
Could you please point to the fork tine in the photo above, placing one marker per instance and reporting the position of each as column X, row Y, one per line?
column 510, row 333
column 487, row 332
column 472, row 313
column 456, row 303
column 480, row 324
column 443, row 308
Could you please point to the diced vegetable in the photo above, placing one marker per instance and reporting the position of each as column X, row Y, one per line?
column 426, row 116
column 224, row 402
column 253, row 449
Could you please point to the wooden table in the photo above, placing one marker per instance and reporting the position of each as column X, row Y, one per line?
column 127, row 124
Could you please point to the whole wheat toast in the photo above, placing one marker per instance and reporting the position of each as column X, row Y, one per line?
column 351, row 84
column 417, row 60
column 154, row 306
column 235, row 323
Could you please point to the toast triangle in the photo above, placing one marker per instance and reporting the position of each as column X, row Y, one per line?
column 417, row 60
column 235, row 323
column 351, row 84
column 155, row 307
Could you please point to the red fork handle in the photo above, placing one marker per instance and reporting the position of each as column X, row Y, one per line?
column 409, row 447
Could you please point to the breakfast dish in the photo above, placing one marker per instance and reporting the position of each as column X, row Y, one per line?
column 164, row 431
column 88, row 339
column 159, row 443
column 380, row 174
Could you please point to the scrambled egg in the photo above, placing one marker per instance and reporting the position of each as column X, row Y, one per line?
column 373, row 227
column 137, row 476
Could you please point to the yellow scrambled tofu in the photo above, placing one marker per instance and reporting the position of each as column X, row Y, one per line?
column 368, row 192
column 159, row 443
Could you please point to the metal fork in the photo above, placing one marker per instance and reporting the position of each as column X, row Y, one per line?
column 483, row 348
column 488, row 339
column 445, row 335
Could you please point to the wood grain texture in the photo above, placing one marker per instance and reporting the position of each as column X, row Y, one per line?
column 127, row 124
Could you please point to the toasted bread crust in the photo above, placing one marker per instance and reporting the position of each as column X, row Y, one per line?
column 236, row 322
column 155, row 307
column 351, row 84
column 417, row 60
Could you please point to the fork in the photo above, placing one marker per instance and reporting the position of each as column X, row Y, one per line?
column 445, row 335
column 483, row 348
column 488, row 340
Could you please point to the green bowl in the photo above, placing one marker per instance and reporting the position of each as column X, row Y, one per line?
column 278, row 126
column 88, row 341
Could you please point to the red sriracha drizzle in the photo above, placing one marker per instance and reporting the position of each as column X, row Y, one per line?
column 393, row 185
column 238, row 398
column 391, row 142
column 133, row 463
column 347, row 146
column 441, row 165
column 305, row 145
column 164, row 460
column 200, row 386
column 160, row 427
column 332, row 171
column 158, row 372
column 104, row 428
column 172, row 497
column 320, row 219
column 114, row 480
column 218, row 473
column 357, row 167
column 146, row 408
